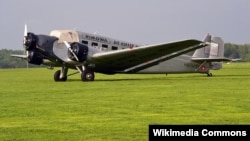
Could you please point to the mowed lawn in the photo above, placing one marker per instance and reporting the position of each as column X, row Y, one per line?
column 118, row 107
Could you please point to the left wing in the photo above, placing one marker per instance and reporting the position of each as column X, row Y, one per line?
column 211, row 59
column 20, row 56
column 126, row 60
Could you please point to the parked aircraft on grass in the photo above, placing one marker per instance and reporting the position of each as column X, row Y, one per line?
column 89, row 53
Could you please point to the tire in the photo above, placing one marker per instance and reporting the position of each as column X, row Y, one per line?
column 88, row 76
column 57, row 77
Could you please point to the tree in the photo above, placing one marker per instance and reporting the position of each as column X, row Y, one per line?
column 6, row 61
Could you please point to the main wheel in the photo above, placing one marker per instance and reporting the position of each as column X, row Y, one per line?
column 57, row 76
column 88, row 75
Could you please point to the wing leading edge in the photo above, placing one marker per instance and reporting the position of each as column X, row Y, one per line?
column 135, row 58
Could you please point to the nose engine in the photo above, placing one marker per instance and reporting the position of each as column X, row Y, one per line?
column 78, row 52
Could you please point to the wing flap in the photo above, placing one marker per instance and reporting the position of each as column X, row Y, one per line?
column 123, row 59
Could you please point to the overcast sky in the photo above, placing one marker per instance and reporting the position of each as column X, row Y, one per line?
column 139, row 21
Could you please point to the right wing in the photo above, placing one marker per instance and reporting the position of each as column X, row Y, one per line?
column 135, row 58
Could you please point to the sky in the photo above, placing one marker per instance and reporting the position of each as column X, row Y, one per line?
column 138, row 21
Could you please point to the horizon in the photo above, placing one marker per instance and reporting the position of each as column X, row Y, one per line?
column 143, row 23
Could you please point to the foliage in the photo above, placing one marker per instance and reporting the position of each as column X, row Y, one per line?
column 237, row 51
column 6, row 61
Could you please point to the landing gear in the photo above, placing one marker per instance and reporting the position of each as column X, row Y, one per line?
column 57, row 76
column 209, row 74
column 88, row 75
column 61, row 75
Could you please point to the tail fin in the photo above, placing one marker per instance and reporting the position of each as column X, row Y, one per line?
column 213, row 52
column 215, row 48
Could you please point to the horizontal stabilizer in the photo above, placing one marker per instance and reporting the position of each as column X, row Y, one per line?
column 211, row 59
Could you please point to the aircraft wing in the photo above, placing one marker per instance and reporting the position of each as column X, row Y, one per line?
column 20, row 56
column 125, row 60
column 211, row 59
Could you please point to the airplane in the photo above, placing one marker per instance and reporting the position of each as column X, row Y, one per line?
column 89, row 53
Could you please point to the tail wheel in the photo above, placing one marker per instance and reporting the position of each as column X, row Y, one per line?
column 57, row 76
column 87, row 75
column 209, row 74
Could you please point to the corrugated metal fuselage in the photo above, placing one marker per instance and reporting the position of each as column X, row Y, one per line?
column 179, row 64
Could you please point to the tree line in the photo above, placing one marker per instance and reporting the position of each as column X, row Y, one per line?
column 237, row 51
column 231, row 51
column 7, row 61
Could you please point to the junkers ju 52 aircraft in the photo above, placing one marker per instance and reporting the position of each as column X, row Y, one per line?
column 89, row 53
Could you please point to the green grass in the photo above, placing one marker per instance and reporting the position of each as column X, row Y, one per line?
column 118, row 107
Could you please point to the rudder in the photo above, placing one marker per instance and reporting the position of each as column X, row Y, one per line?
column 215, row 48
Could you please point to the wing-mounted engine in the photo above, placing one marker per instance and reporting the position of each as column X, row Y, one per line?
column 78, row 52
column 38, row 44
column 34, row 58
column 29, row 41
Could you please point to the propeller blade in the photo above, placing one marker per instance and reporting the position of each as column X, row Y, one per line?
column 25, row 30
column 69, row 47
column 27, row 53
column 67, row 44
column 25, row 35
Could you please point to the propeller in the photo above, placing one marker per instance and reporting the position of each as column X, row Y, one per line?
column 70, row 49
column 25, row 52
column 30, row 39
column 25, row 36
column 25, row 30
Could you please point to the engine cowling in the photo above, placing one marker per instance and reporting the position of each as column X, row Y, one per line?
column 80, row 50
column 30, row 41
column 34, row 58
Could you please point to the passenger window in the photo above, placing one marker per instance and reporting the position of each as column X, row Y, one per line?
column 85, row 42
column 104, row 47
column 94, row 44
column 114, row 48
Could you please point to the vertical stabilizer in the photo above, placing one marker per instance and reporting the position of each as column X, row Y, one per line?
column 214, row 49
column 213, row 53
column 203, row 52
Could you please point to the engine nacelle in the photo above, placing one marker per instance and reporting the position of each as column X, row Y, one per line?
column 30, row 41
column 34, row 58
column 80, row 50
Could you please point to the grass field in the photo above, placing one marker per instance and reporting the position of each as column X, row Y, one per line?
column 118, row 107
